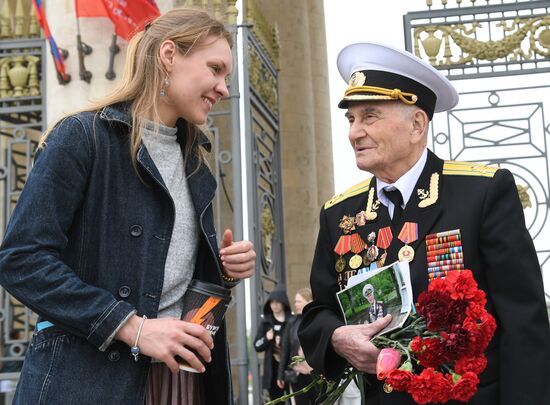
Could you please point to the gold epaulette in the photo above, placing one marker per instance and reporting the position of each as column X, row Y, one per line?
column 453, row 168
column 350, row 192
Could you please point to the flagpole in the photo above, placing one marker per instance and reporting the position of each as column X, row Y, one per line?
column 113, row 49
column 83, row 50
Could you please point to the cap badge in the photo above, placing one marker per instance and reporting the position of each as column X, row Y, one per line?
column 357, row 79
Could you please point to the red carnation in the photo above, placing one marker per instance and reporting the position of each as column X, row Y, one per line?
column 399, row 379
column 434, row 306
column 456, row 312
column 461, row 284
column 465, row 387
column 432, row 355
column 455, row 344
column 474, row 364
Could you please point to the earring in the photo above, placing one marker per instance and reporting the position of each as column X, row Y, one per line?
column 165, row 84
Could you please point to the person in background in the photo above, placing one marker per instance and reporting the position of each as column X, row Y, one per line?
column 440, row 216
column 276, row 314
column 114, row 222
column 298, row 376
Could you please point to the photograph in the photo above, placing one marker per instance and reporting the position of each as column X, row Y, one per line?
column 375, row 296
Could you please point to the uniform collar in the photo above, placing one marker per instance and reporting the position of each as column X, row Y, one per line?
column 405, row 184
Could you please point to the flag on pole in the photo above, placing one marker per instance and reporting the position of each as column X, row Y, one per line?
column 57, row 56
column 90, row 8
column 130, row 16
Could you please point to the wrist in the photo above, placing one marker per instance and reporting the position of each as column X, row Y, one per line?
column 128, row 331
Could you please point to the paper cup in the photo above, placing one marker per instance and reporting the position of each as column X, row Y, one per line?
column 204, row 303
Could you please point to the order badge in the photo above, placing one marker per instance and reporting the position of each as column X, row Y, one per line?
column 406, row 254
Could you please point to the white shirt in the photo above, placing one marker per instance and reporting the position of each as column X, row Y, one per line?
column 405, row 184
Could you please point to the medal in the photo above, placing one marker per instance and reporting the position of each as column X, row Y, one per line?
column 342, row 247
column 408, row 234
column 347, row 224
column 372, row 253
column 355, row 262
column 340, row 264
column 360, row 218
column 381, row 260
column 406, row 254
column 357, row 246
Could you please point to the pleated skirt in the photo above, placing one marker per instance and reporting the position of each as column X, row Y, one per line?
column 166, row 388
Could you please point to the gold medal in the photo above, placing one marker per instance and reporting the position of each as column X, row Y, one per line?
column 355, row 261
column 406, row 254
column 340, row 264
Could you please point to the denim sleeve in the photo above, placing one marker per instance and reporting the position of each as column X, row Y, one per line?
column 30, row 265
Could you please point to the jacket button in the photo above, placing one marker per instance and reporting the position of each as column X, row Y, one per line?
column 114, row 355
column 124, row 291
column 136, row 230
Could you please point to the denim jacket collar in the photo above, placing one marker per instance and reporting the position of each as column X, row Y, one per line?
column 121, row 113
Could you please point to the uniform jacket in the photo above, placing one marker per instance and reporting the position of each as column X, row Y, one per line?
column 483, row 203
column 261, row 343
column 85, row 247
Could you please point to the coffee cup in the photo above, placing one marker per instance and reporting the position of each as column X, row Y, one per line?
column 205, row 304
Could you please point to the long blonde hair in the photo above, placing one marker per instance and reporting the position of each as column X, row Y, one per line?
column 144, row 72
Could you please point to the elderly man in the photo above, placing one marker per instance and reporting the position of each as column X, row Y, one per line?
column 440, row 216
column 376, row 308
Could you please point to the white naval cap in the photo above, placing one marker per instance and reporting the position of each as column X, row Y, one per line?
column 380, row 72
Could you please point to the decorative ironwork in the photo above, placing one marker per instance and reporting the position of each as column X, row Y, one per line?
column 505, row 128
column 263, row 80
column 17, row 20
column 497, row 40
column 267, row 34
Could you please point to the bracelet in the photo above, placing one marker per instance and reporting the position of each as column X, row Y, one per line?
column 229, row 279
column 135, row 348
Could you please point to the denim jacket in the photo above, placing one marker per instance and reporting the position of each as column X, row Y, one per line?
column 86, row 247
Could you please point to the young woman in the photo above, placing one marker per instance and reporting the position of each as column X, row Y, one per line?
column 114, row 222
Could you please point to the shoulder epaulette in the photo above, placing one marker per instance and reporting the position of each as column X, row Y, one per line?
column 350, row 192
column 454, row 168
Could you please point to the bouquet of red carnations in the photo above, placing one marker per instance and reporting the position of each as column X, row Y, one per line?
column 443, row 346
column 438, row 353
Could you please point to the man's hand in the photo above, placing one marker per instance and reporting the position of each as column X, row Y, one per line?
column 352, row 342
column 237, row 257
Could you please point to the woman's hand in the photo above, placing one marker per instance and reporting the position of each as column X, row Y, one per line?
column 166, row 338
column 237, row 257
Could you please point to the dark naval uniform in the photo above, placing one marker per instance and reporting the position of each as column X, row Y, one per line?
column 482, row 204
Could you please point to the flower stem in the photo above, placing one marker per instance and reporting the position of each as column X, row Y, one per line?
column 316, row 381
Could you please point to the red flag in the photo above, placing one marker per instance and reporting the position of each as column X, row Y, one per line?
column 90, row 8
column 130, row 16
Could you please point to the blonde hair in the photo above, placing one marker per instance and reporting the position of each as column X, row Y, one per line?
column 144, row 72
column 305, row 293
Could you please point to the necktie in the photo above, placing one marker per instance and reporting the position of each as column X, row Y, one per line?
column 395, row 197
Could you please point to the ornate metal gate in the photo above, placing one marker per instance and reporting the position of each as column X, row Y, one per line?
column 21, row 124
column 503, row 119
